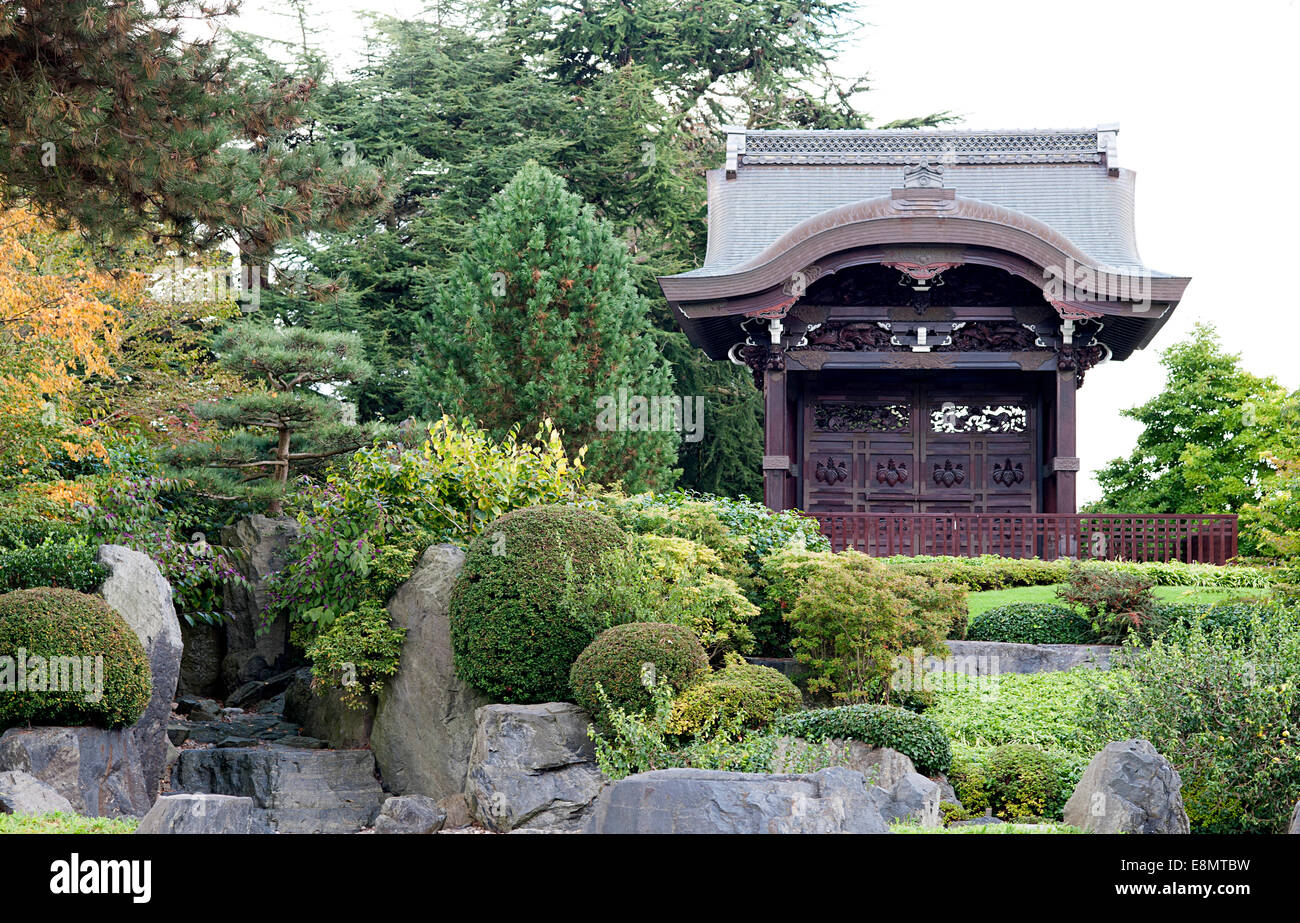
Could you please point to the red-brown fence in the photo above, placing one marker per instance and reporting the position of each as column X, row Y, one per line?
column 1201, row 538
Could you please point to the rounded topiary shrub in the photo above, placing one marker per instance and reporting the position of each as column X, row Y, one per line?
column 512, row 634
column 915, row 735
column 616, row 662
column 1017, row 782
column 740, row 693
column 83, row 665
column 1031, row 623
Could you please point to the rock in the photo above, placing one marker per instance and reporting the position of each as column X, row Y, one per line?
column 1295, row 820
column 912, row 799
column 879, row 765
column 675, row 801
column 410, row 814
column 300, row 791
column 990, row 658
column 977, row 821
column 23, row 793
column 1128, row 788
column 255, row 691
column 532, row 767
column 203, row 648
column 324, row 714
column 204, row 814
column 946, row 791
column 97, row 771
column 178, row 732
column 136, row 589
column 198, row 709
column 304, row 743
column 457, row 809
column 424, row 723
column 259, row 547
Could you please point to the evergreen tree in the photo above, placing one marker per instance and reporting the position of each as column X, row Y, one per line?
column 540, row 319
column 114, row 118
column 283, row 424
column 1213, row 436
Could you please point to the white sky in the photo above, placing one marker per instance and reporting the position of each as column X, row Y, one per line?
column 1204, row 96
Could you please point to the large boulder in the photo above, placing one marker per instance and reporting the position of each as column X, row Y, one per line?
column 98, row 771
column 23, row 793
column 259, row 547
column 1128, row 788
column 204, row 814
column 410, row 814
column 911, row 799
column 323, row 714
column 139, row 592
column 299, row 791
column 424, row 723
column 204, row 649
column 834, row 800
column 879, row 765
column 532, row 767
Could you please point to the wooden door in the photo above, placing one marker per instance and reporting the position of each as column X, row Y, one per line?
column 920, row 447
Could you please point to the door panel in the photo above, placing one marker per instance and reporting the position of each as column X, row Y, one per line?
column 924, row 448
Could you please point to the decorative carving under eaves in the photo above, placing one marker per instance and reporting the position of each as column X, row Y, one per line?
column 850, row 337
column 761, row 359
column 1079, row 359
column 992, row 337
column 853, row 417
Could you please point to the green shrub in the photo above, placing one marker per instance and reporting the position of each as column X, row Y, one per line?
column 68, row 564
column 666, row 579
column 1117, row 602
column 512, row 635
column 1049, row 710
column 617, row 663
column 740, row 694
column 1016, row 782
column 918, row 736
column 985, row 572
column 356, row 652
column 851, row 616
column 1031, row 623
column 1226, row 714
column 47, row 623
column 364, row 530
column 1231, row 619
column 55, row 822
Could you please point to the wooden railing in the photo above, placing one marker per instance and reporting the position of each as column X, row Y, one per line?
column 1202, row 538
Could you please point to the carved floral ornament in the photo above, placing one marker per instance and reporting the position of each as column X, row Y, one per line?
column 831, row 472
column 1007, row 474
column 891, row 474
column 949, row 474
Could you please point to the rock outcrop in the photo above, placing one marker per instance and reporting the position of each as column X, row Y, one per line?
column 1128, row 788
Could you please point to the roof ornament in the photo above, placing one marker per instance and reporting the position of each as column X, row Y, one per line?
column 923, row 175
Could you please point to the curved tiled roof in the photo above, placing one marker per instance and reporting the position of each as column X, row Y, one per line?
column 780, row 179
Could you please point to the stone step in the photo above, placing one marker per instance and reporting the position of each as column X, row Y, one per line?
column 300, row 790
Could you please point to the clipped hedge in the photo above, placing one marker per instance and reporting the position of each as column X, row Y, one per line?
column 1016, row 782
column 991, row 572
column 916, row 735
column 511, row 634
column 69, row 564
column 50, row 623
column 616, row 662
column 1031, row 623
column 744, row 694
column 1230, row 620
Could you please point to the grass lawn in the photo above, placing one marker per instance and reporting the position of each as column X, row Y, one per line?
column 64, row 823
column 989, row 599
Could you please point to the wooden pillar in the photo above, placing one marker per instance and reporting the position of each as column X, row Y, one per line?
column 776, row 446
column 1065, row 462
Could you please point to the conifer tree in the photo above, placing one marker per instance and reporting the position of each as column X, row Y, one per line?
column 286, row 425
column 541, row 318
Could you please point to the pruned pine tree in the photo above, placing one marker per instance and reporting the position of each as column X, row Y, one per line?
column 288, row 425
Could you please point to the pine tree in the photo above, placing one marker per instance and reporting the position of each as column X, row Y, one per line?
column 541, row 319
column 286, row 425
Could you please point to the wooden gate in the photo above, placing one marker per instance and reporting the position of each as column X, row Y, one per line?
column 921, row 448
